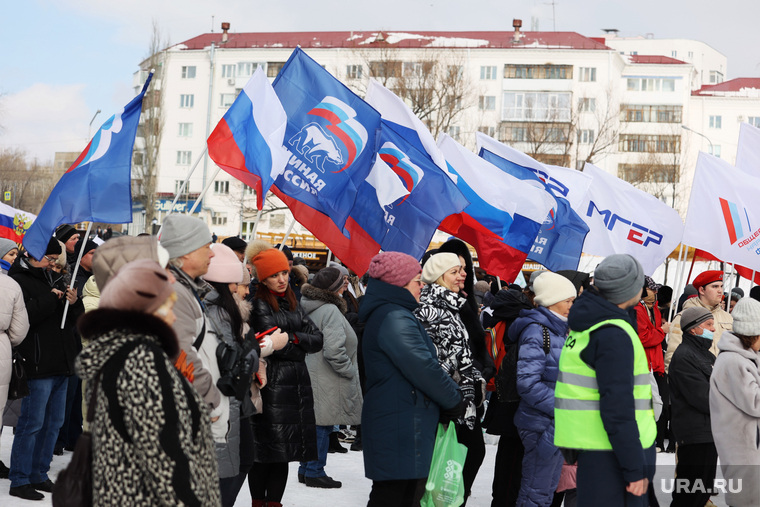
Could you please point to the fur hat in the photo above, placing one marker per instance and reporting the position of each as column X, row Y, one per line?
column 694, row 316
column 437, row 265
column 224, row 266
column 619, row 278
column 395, row 268
column 746, row 316
column 182, row 234
column 270, row 262
column 329, row 279
column 551, row 288
column 140, row 285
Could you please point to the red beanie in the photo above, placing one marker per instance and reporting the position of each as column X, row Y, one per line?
column 270, row 262
column 395, row 268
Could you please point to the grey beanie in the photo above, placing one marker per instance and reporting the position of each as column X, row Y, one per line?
column 6, row 245
column 746, row 316
column 619, row 278
column 694, row 316
column 182, row 234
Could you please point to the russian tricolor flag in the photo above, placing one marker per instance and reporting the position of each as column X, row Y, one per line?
column 248, row 141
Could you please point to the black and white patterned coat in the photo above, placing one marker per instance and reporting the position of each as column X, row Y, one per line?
column 439, row 313
column 151, row 435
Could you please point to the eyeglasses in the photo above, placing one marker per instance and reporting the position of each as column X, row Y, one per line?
column 49, row 259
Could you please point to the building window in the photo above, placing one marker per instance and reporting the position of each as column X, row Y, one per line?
column 246, row 69
column 641, row 143
column 715, row 122
column 586, row 105
column 188, row 72
column 714, row 150
column 228, row 70
column 655, row 173
column 186, row 100
column 674, row 54
column 536, row 106
column 754, row 121
column 218, row 218
column 488, row 72
column 514, row 71
column 178, row 186
column 650, row 84
column 587, row 74
column 586, row 136
column 226, row 99
column 248, row 226
column 416, row 69
column 691, row 55
column 650, row 114
column 454, row 132
column 277, row 220
column 221, row 187
column 489, row 131
column 273, row 68
column 353, row 71
column 385, row 69
column 455, row 71
column 184, row 157
column 487, row 103
column 185, row 129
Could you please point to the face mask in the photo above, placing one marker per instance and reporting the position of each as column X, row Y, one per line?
column 707, row 334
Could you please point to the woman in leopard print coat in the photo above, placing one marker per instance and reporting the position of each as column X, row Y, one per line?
column 152, row 440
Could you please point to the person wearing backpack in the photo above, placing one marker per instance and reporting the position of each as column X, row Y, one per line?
column 540, row 334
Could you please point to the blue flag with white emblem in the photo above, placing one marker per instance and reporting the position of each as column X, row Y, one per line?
column 330, row 138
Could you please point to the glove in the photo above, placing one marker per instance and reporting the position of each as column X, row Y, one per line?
column 279, row 339
column 453, row 413
column 480, row 392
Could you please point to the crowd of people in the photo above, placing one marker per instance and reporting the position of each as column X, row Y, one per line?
column 200, row 366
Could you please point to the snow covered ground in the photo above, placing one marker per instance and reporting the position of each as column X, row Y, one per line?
column 347, row 468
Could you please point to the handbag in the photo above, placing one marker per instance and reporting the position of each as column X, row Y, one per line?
column 18, row 387
column 445, row 483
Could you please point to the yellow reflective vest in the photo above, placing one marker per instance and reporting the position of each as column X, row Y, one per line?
column 577, row 419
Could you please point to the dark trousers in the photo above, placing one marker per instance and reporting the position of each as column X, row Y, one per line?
column 600, row 480
column 476, row 452
column 694, row 462
column 403, row 493
column 267, row 481
column 663, row 423
column 507, row 472
column 230, row 486
column 72, row 422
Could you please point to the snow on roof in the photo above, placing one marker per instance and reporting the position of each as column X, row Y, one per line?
column 739, row 87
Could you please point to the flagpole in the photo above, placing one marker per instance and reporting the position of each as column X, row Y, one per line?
column 184, row 183
column 680, row 268
column 208, row 185
column 290, row 229
column 329, row 256
column 256, row 225
column 76, row 268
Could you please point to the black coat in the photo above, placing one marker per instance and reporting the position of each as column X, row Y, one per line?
column 286, row 430
column 47, row 349
column 689, row 378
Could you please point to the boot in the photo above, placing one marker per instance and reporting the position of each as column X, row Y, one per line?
column 273, row 504
column 357, row 445
column 334, row 445
column 258, row 503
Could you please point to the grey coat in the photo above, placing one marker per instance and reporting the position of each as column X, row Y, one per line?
column 333, row 370
column 735, row 414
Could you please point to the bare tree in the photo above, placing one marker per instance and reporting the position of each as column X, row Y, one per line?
column 596, row 124
column 29, row 182
column 145, row 163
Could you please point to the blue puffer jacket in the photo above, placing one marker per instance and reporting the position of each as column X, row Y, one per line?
column 405, row 386
column 537, row 371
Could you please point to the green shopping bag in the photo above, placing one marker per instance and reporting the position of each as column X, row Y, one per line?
column 445, row 484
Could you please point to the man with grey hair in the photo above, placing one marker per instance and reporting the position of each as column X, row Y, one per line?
column 188, row 241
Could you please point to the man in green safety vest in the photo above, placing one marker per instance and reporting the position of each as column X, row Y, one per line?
column 603, row 399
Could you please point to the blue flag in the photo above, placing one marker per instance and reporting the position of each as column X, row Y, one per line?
column 97, row 187
column 406, row 197
column 330, row 137
column 559, row 242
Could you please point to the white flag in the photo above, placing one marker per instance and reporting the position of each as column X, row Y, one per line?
column 720, row 219
column 624, row 219
column 568, row 183
column 748, row 151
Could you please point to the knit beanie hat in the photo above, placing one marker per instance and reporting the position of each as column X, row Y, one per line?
column 6, row 245
column 64, row 232
column 552, row 288
column 62, row 257
column 224, row 266
column 285, row 250
column 746, row 316
column 533, row 277
column 395, row 268
column 235, row 243
column 140, row 285
column 270, row 262
column 182, row 234
column 339, row 267
column 437, row 265
column 619, row 278
column 329, row 279
column 246, row 275
column 694, row 316
column 88, row 245
column 254, row 248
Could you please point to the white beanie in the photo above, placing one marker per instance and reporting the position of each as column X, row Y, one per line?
column 551, row 288
column 437, row 265
column 747, row 320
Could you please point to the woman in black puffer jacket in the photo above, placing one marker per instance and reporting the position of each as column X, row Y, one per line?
column 286, row 430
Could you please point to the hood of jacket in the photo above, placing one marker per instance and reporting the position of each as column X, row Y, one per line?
column 729, row 342
column 313, row 298
column 116, row 252
column 508, row 303
column 380, row 293
column 108, row 329
column 441, row 297
column 590, row 308
column 91, row 288
column 540, row 315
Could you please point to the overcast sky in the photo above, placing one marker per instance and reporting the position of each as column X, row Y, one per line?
column 65, row 59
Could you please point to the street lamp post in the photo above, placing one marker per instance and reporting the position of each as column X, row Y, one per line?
column 712, row 148
column 89, row 127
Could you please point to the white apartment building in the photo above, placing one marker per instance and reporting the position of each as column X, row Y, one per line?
column 560, row 96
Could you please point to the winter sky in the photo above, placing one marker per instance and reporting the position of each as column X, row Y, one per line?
column 65, row 59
